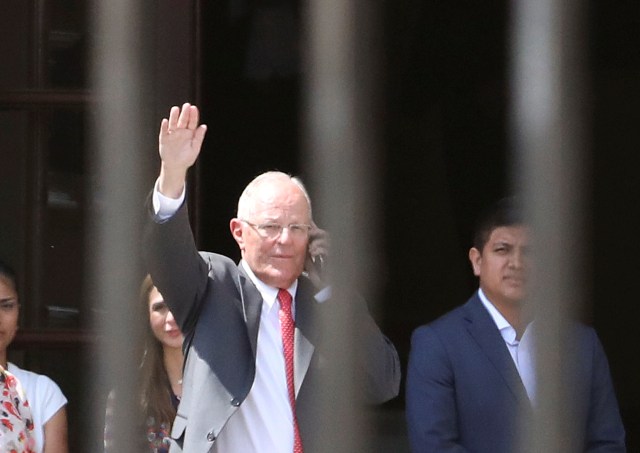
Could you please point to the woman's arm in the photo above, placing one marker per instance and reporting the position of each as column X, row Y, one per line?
column 55, row 433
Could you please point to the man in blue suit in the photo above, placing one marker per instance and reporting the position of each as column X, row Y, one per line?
column 470, row 380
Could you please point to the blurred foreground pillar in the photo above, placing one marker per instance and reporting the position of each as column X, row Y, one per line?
column 340, row 112
column 550, row 168
column 120, row 146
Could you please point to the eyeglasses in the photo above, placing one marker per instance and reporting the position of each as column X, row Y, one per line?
column 272, row 230
column 8, row 305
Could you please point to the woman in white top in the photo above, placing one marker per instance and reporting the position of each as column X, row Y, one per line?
column 16, row 427
column 48, row 404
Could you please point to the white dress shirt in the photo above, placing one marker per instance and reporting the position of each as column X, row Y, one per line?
column 264, row 421
column 521, row 350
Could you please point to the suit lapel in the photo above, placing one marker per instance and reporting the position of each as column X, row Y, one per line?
column 483, row 329
column 304, row 346
column 251, row 301
column 305, row 306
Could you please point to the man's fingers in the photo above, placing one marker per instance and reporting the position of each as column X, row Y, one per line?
column 194, row 117
column 319, row 248
column 185, row 117
column 164, row 127
column 173, row 118
column 199, row 134
column 183, row 120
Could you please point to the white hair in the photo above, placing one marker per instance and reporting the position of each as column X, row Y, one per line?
column 250, row 191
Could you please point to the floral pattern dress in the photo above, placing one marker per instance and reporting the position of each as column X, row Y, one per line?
column 16, row 422
column 157, row 437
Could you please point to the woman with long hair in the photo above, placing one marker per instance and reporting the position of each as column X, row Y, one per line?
column 160, row 373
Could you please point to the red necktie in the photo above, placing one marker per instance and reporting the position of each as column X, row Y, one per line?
column 287, row 328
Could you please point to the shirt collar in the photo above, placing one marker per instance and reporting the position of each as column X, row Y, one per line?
column 506, row 330
column 268, row 293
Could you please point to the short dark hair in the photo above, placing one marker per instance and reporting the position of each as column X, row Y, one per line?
column 504, row 212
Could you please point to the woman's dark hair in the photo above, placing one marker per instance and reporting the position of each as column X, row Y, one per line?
column 155, row 394
column 505, row 212
column 7, row 272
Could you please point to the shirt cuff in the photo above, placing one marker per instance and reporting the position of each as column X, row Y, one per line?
column 164, row 207
column 323, row 295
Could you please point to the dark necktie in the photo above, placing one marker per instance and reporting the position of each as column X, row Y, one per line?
column 287, row 328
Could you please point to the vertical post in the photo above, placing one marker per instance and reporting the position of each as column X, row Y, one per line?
column 37, row 162
column 549, row 170
column 121, row 143
column 341, row 160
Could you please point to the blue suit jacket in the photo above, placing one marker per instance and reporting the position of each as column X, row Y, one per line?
column 464, row 393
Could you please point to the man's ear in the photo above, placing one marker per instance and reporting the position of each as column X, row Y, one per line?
column 235, row 225
column 476, row 260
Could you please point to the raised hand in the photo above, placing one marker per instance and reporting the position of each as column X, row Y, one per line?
column 180, row 141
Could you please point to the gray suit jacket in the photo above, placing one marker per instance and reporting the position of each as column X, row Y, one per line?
column 218, row 309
